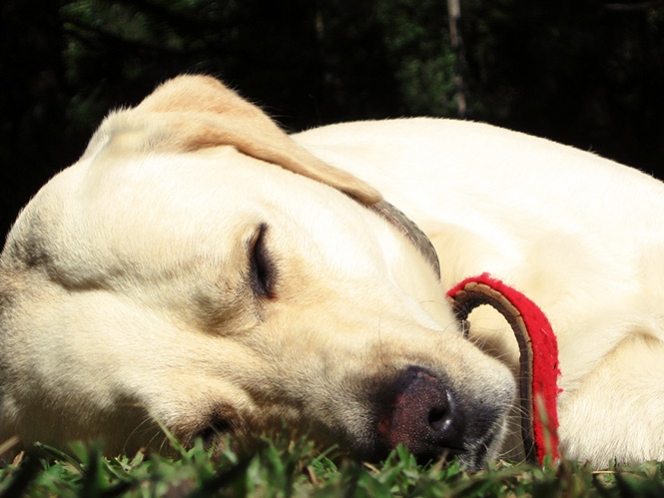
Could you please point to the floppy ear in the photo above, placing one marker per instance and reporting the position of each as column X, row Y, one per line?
column 201, row 112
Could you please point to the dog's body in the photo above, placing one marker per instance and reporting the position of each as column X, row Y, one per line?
column 176, row 274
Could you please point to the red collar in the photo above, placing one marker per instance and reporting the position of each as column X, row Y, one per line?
column 538, row 360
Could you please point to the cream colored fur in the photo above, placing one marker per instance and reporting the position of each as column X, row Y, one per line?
column 126, row 294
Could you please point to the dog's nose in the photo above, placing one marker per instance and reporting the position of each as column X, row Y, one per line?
column 423, row 416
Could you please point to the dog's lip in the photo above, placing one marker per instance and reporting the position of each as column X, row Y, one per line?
column 472, row 459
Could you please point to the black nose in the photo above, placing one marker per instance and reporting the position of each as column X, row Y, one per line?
column 421, row 413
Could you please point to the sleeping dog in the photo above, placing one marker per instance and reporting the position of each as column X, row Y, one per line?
column 201, row 271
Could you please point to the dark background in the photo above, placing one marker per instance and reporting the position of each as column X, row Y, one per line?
column 586, row 73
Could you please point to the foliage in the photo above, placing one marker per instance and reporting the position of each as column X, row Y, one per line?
column 281, row 467
column 585, row 73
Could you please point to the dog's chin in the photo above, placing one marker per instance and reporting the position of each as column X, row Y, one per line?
column 414, row 407
column 473, row 456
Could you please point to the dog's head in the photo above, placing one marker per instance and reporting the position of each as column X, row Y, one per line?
column 198, row 269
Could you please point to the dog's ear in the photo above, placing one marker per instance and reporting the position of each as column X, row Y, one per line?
column 201, row 112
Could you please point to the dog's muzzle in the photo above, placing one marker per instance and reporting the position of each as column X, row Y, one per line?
column 537, row 345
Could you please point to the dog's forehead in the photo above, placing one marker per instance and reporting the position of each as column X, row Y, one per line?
column 217, row 185
column 210, row 196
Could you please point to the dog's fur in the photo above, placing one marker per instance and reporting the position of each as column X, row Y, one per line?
column 200, row 268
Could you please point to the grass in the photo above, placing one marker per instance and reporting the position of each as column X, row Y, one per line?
column 279, row 467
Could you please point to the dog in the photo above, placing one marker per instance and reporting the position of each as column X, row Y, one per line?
column 201, row 273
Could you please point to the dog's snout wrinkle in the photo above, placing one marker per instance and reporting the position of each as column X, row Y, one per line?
column 423, row 415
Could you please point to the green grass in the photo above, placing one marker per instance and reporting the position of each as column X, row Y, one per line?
column 283, row 468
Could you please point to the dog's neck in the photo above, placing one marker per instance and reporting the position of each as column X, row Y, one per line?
column 408, row 227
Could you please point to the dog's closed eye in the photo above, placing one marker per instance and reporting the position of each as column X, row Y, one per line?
column 262, row 269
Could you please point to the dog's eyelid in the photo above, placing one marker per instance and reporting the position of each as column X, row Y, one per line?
column 261, row 266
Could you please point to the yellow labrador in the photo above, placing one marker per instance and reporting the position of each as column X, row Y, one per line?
column 201, row 269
